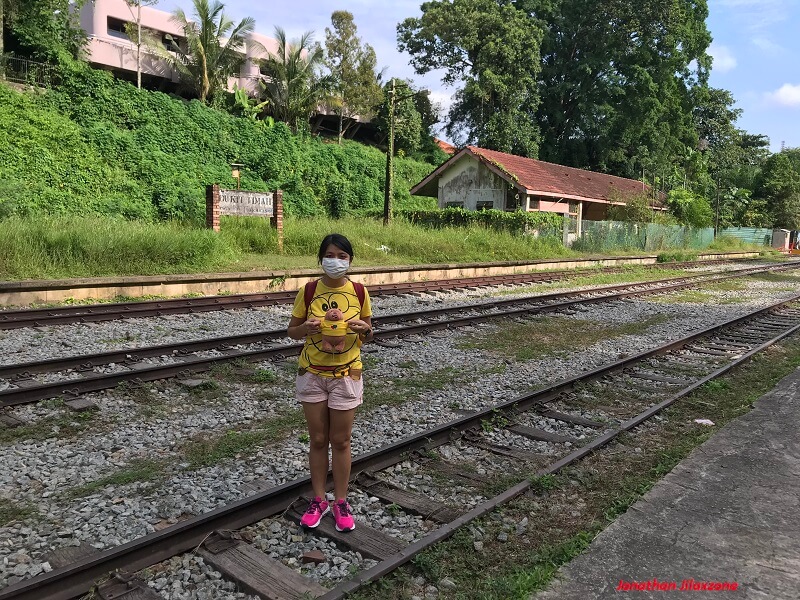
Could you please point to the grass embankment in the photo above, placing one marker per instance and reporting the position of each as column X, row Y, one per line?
column 97, row 246
column 565, row 512
column 70, row 246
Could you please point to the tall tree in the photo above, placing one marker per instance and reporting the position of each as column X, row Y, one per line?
column 2, row 31
column 44, row 29
column 492, row 48
column 780, row 187
column 407, row 121
column 356, row 91
column 617, row 79
column 294, row 86
column 136, row 34
column 214, row 47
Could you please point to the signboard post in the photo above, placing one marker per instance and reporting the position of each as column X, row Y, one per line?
column 244, row 204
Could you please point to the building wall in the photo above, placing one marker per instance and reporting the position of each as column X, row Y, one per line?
column 110, row 49
column 469, row 184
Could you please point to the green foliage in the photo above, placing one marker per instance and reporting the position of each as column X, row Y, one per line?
column 617, row 82
column 637, row 209
column 407, row 120
column 689, row 208
column 294, row 87
column 676, row 256
column 46, row 30
column 212, row 52
column 780, row 186
column 493, row 49
column 92, row 246
column 99, row 145
column 356, row 91
column 47, row 165
column 77, row 246
column 513, row 222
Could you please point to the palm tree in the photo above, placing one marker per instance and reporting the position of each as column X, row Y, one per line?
column 205, row 62
column 294, row 87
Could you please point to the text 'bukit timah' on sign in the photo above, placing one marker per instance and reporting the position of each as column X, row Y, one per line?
column 245, row 204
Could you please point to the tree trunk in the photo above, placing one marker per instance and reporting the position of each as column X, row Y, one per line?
column 138, row 45
column 2, row 48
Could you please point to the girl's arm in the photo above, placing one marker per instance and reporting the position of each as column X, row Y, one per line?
column 300, row 328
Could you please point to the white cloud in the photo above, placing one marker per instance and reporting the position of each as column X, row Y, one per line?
column 786, row 95
column 757, row 15
column 724, row 60
column 767, row 45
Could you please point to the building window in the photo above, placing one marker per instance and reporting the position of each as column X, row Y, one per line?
column 172, row 43
column 116, row 28
column 484, row 205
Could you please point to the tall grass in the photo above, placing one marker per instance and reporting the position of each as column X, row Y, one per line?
column 74, row 246
column 49, row 247
column 398, row 243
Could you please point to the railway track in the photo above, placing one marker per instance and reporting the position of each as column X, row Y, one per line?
column 624, row 394
column 132, row 365
column 37, row 317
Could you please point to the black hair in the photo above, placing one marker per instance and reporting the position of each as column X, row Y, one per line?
column 337, row 240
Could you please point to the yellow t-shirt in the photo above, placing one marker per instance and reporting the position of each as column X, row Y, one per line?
column 312, row 357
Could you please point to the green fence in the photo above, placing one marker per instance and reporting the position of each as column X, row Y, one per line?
column 601, row 236
column 750, row 235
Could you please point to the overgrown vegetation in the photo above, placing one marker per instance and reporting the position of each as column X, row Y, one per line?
column 68, row 245
column 96, row 145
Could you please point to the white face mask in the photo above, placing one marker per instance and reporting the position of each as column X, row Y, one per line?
column 335, row 267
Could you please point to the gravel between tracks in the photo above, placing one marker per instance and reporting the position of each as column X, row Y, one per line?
column 39, row 474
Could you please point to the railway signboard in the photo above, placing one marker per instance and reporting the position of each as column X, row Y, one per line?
column 244, row 203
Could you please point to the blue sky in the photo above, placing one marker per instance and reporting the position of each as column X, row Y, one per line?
column 756, row 50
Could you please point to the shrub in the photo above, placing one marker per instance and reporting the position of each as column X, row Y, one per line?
column 99, row 145
column 514, row 222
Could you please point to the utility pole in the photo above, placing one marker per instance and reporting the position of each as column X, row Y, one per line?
column 387, row 199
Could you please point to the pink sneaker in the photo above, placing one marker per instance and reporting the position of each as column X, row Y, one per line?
column 343, row 515
column 317, row 509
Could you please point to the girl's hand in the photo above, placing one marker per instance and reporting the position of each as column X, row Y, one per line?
column 358, row 325
column 313, row 326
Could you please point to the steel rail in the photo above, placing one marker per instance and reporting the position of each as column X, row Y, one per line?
column 128, row 355
column 94, row 383
column 78, row 578
column 15, row 319
column 34, row 317
column 386, row 566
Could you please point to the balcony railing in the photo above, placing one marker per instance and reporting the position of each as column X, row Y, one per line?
column 22, row 70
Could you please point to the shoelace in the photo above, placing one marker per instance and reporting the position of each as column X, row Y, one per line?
column 344, row 509
column 314, row 507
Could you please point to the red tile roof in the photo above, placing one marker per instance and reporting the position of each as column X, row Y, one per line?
column 446, row 147
column 549, row 179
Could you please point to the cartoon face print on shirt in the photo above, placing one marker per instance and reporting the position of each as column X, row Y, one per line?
column 347, row 303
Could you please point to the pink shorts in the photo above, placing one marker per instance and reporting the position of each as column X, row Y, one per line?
column 341, row 393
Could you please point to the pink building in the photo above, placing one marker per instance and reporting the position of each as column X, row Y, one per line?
column 110, row 48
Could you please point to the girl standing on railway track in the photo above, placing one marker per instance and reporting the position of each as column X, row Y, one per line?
column 329, row 384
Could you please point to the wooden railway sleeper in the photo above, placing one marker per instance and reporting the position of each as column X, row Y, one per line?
column 124, row 586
